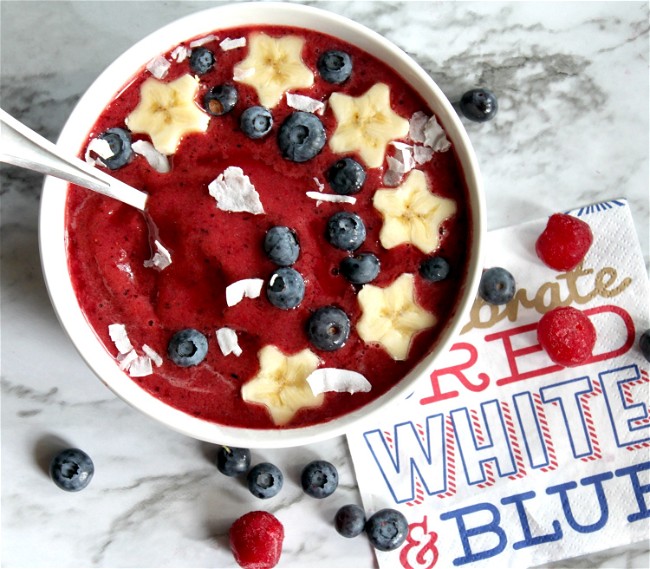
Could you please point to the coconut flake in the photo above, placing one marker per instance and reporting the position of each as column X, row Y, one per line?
column 158, row 161
column 435, row 137
column 334, row 198
column 202, row 41
column 153, row 355
column 227, row 340
column 120, row 338
column 140, row 367
column 304, row 103
column 416, row 126
column 180, row 53
column 422, row 154
column 228, row 43
column 249, row 288
column 339, row 380
column 234, row 192
column 125, row 360
column 241, row 74
column 101, row 148
column 158, row 67
column 161, row 258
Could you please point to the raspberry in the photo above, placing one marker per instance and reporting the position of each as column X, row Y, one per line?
column 564, row 242
column 256, row 540
column 567, row 336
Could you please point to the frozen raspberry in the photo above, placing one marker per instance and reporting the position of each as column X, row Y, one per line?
column 564, row 242
column 567, row 336
column 256, row 540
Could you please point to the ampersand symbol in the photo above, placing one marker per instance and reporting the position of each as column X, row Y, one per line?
column 420, row 551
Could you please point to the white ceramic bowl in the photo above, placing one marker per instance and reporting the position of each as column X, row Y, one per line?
column 52, row 230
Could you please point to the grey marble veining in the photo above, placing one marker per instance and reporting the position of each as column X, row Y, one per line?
column 572, row 81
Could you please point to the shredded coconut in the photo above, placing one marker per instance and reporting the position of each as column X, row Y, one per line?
column 140, row 367
column 339, row 380
column 435, row 137
column 202, row 41
column 228, row 43
column 158, row 67
column 158, row 161
column 241, row 74
column 227, row 340
column 249, row 288
column 304, row 103
column 101, row 148
column 161, row 258
column 151, row 353
column 334, row 198
column 120, row 338
column 126, row 360
column 180, row 53
column 234, row 192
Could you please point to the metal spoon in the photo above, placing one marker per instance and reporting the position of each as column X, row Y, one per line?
column 21, row 146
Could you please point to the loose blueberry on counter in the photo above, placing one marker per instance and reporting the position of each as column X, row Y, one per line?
column 233, row 461
column 346, row 231
column 360, row 269
column 201, row 60
column 72, row 470
column 497, row 286
column 256, row 122
column 119, row 141
column 479, row 105
column 644, row 344
column 350, row 520
column 281, row 245
column 387, row 529
column 434, row 269
column 328, row 328
column 335, row 66
column 187, row 347
column 301, row 136
column 265, row 480
column 319, row 479
column 346, row 177
column 221, row 99
column 286, row 288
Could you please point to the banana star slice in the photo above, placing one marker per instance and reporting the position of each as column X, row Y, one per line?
column 412, row 213
column 366, row 124
column 391, row 316
column 273, row 66
column 281, row 383
column 167, row 112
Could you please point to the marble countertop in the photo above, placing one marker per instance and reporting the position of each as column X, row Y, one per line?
column 572, row 129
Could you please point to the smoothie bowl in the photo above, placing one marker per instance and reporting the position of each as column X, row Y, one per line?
column 319, row 218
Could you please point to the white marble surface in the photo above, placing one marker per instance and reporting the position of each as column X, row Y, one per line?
column 572, row 81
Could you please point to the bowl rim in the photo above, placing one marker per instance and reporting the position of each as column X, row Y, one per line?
column 52, row 238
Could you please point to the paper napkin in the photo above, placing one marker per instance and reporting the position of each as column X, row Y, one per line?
column 502, row 458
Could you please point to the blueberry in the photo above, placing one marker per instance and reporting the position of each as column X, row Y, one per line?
column 346, row 177
column 479, row 105
column 346, row 231
column 281, row 245
column 387, row 529
column 335, row 66
column 301, row 136
column 360, row 269
column 187, row 347
column 328, row 328
column 256, row 122
column 265, row 480
column 286, row 288
column 497, row 286
column 644, row 344
column 72, row 470
column 201, row 60
column 319, row 479
column 221, row 99
column 350, row 520
column 434, row 269
column 119, row 141
column 233, row 461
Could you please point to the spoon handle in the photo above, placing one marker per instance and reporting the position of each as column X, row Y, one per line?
column 21, row 146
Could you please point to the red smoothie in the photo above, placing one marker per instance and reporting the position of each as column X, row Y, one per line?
column 107, row 244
